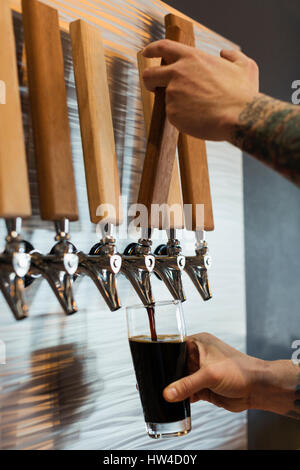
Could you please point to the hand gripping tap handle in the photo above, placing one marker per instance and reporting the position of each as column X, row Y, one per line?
column 99, row 152
column 14, row 185
column 169, row 262
column 192, row 154
column 58, row 202
column 195, row 185
column 174, row 197
column 158, row 171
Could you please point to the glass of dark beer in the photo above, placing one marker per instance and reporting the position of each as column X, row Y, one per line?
column 159, row 353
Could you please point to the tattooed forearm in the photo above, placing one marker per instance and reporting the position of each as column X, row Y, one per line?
column 269, row 129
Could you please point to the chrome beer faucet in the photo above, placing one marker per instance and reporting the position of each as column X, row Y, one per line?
column 160, row 183
column 14, row 185
column 169, row 264
column 14, row 265
column 53, row 150
column 197, row 266
column 58, row 267
column 102, row 265
column 137, row 265
column 97, row 134
column 195, row 185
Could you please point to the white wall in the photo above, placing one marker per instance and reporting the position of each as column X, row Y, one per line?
column 69, row 382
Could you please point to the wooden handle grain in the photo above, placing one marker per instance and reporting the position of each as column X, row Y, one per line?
column 161, row 151
column 96, row 122
column 14, row 186
column 174, row 197
column 192, row 155
column 49, row 111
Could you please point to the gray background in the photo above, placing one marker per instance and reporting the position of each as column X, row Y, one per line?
column 268, row 31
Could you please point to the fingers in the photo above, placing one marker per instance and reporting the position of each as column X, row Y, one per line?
column 157, row 77
column 190, row 385
column 234, row 56
column 168, row 50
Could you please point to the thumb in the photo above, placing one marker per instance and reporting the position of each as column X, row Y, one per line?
column 184, row 388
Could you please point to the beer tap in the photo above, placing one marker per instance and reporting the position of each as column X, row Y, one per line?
column 102, row 263
column 101, row 168
column 57, row 193
column 195, row 186
column 14, row 186
column 137, row 265
column 161, row 167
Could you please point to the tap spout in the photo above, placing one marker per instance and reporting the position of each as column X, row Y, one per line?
column 169, row 270
column 102, row 269
column 169, row 264
column 58, row 268
column 15, row 264
column 138, row 269
column 196, row 267
column 13, row 269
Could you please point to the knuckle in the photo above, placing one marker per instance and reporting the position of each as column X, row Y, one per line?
column 171, row 91
column 164, row 44
column 211, row 373
column 252, row 64
column 206, row 337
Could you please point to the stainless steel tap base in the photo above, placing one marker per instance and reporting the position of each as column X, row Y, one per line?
column 196, row 267
column 102, row 269
column 137, row 267
column 13, row 269
column 169, row 264
column 58, row 268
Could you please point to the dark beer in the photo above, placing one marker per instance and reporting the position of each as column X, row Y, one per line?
column 157, row 364
column 151, row 317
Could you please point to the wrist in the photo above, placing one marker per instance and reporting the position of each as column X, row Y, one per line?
column 233, row 120
column 261, row 384
column 273, row 386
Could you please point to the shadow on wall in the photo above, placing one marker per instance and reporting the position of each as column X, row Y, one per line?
column 45, row 412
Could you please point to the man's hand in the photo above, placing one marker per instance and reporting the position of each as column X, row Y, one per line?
column 205, row 94
column 235, row 381
column 219, row 374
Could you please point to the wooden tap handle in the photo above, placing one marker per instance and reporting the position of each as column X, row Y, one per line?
column 49, row 112
column 96, row 123
column 174, row 197
column 192, row 155
column 161, row 151
column 14, row 186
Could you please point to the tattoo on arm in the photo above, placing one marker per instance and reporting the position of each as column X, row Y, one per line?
column 269, row 130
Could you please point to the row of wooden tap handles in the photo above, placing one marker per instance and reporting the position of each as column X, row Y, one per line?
column 161, row 181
